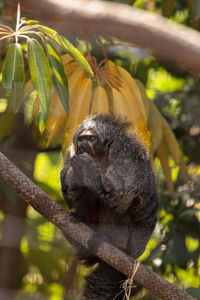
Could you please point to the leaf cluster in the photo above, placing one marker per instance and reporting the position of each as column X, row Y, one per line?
column 44, row 46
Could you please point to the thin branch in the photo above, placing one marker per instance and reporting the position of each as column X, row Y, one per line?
column 84, row 235
column 177, row 44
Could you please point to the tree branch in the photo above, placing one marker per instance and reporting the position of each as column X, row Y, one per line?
column 81, row 233
column 177, row 44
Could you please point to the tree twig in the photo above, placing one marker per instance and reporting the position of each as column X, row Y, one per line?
column 84, row 235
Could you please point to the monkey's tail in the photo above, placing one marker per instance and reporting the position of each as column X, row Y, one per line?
column 104, row 283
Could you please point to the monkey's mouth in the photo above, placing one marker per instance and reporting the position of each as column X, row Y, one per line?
column 86, row 147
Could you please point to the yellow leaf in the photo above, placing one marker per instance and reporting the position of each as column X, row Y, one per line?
column 70, row 65
column 66, row 58
column 73, row 81
column 135, row 113
column 174, row 148
column 135, row 90
column 119, row 105
column 163, row 156
column 79, row 110
column 144, row 97
column 155, row 125
column 56, row 120
column 100, row 101
column 162, row 136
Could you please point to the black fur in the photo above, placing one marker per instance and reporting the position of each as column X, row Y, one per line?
column 114, row 192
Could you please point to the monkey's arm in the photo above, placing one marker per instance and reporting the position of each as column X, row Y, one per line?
column 117, row 185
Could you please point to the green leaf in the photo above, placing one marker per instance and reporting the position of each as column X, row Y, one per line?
column 49, row 32
column 60, row 81
column 76, row 54
column 13, row 73
column 68, row 47
column 194, row 292
column 26, row 21
column 41, row 76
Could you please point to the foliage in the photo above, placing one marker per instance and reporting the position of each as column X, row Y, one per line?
column 44, row 69
column 49, row 269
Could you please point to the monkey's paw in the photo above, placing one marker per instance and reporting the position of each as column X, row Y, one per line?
column 86, row 170
column 81, row 161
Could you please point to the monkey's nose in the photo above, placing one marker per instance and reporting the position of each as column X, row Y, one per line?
column 84, row 145
column 84, row 148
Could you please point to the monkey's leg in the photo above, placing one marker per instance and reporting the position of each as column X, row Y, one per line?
column 104, row 283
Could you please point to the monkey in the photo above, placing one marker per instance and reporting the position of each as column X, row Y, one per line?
column 107, row 180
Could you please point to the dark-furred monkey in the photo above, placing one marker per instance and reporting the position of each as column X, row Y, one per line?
column 107, row 179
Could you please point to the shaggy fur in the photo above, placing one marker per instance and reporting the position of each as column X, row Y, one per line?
column 112, row 189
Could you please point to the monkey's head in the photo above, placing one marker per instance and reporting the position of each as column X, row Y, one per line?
column 96, row 134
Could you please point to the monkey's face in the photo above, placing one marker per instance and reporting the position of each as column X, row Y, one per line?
column 93, row 138
column 87, row 142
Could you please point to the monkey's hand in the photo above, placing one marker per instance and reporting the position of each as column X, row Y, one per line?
column 87, row 172
column 71, row 183
column 109, row 185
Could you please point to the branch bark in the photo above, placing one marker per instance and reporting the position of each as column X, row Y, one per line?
column 171, row 42
column 81, row 233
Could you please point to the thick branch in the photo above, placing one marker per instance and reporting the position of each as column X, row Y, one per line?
column 81, row 233
column 177, row 44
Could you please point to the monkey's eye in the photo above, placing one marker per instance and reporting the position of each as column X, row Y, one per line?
column 91, row 138
column 81, row 138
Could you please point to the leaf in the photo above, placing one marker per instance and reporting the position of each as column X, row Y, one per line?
column 76, row 54
column 154, row 118
column 163, row 156
column 75, row 74
column 174, row 148
column 60, row 81
column 29, row 88
column 41, row 76
column 70, row 65
column 162, row 133
column 50, row 32
column 135, row 106
column 78, row 111
column 194, row 292
column 100, row 101
column 144, row 97
column 155, row 125
column 13, row 73
column 64, row 43
column 26, row 21
column 56, row 120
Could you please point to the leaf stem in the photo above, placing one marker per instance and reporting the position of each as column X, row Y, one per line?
column 17, row 22
column 6, row 27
